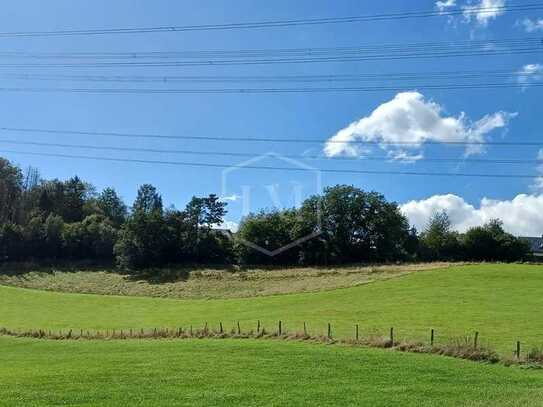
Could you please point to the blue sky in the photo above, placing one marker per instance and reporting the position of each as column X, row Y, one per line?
column 296, row 116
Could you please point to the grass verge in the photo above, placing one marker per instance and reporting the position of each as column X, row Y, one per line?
column 246, row 373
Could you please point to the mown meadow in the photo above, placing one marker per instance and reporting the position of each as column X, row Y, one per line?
column 248, row 373
column 500, row 301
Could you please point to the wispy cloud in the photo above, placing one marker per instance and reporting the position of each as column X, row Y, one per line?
column 537, row 185
column 531, row 26
column 530, row 73
column 483, row 11
column 402, row 125
column 230, row 198
column 479, row 12
column 445, row 5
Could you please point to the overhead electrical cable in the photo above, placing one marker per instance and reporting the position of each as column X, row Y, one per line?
column 267, row 139
column 258, row 167
column 250, row 155
column 457, row 11
column 352, row 89
column 355, row 77
column 400, row 55
column 487, row 44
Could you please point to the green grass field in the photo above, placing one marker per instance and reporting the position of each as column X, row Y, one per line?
column 249, row 373
column 499, row 301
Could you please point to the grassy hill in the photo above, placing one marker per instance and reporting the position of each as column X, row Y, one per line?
column 202, row 282
column 499, row 301
column 248, row 373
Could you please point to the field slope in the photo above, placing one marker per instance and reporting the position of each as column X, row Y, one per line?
column 248, row 373
column 203, row 282
column 499, row 301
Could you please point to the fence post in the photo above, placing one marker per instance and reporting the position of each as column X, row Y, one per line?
column 356, row 332
column 518, row 350
column 258, row 326
column 391, row 336
column 305, row 329
column 220, row 327
column 239, row 329
column 432, row 337
column 280, row 328
column 329, row 331
column 475, row 340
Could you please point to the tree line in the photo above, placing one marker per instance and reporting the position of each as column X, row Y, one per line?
column 69, row 220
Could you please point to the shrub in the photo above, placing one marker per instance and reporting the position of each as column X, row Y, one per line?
column 11, row 242
column 93, row 238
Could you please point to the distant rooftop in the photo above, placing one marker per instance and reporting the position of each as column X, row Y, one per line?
column 536, row 243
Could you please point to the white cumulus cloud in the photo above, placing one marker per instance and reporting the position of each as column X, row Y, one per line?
column 521, row 216
column 483, row 11
column 402, row 125
column 531, row 26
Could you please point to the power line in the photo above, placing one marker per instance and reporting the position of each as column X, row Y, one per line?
column 257, row 167
column 251, row 155
column 374, row 52
column 268, row 139
column 358, row 77
column 487, row 44
column 353, row 89
column 281, row 23
column 399, row 55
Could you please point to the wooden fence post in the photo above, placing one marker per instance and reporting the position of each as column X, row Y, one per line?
column 356, row 332
column 518, row 350
column 305, row 329
column 239, row 329
column 475, row 340
column 258, row 326
column 280, row 328
column 432, row 337
column 391, row 336
column 329, row 331
column 220, row 327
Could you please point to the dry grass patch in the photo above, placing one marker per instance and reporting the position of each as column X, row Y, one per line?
column 193, row 283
